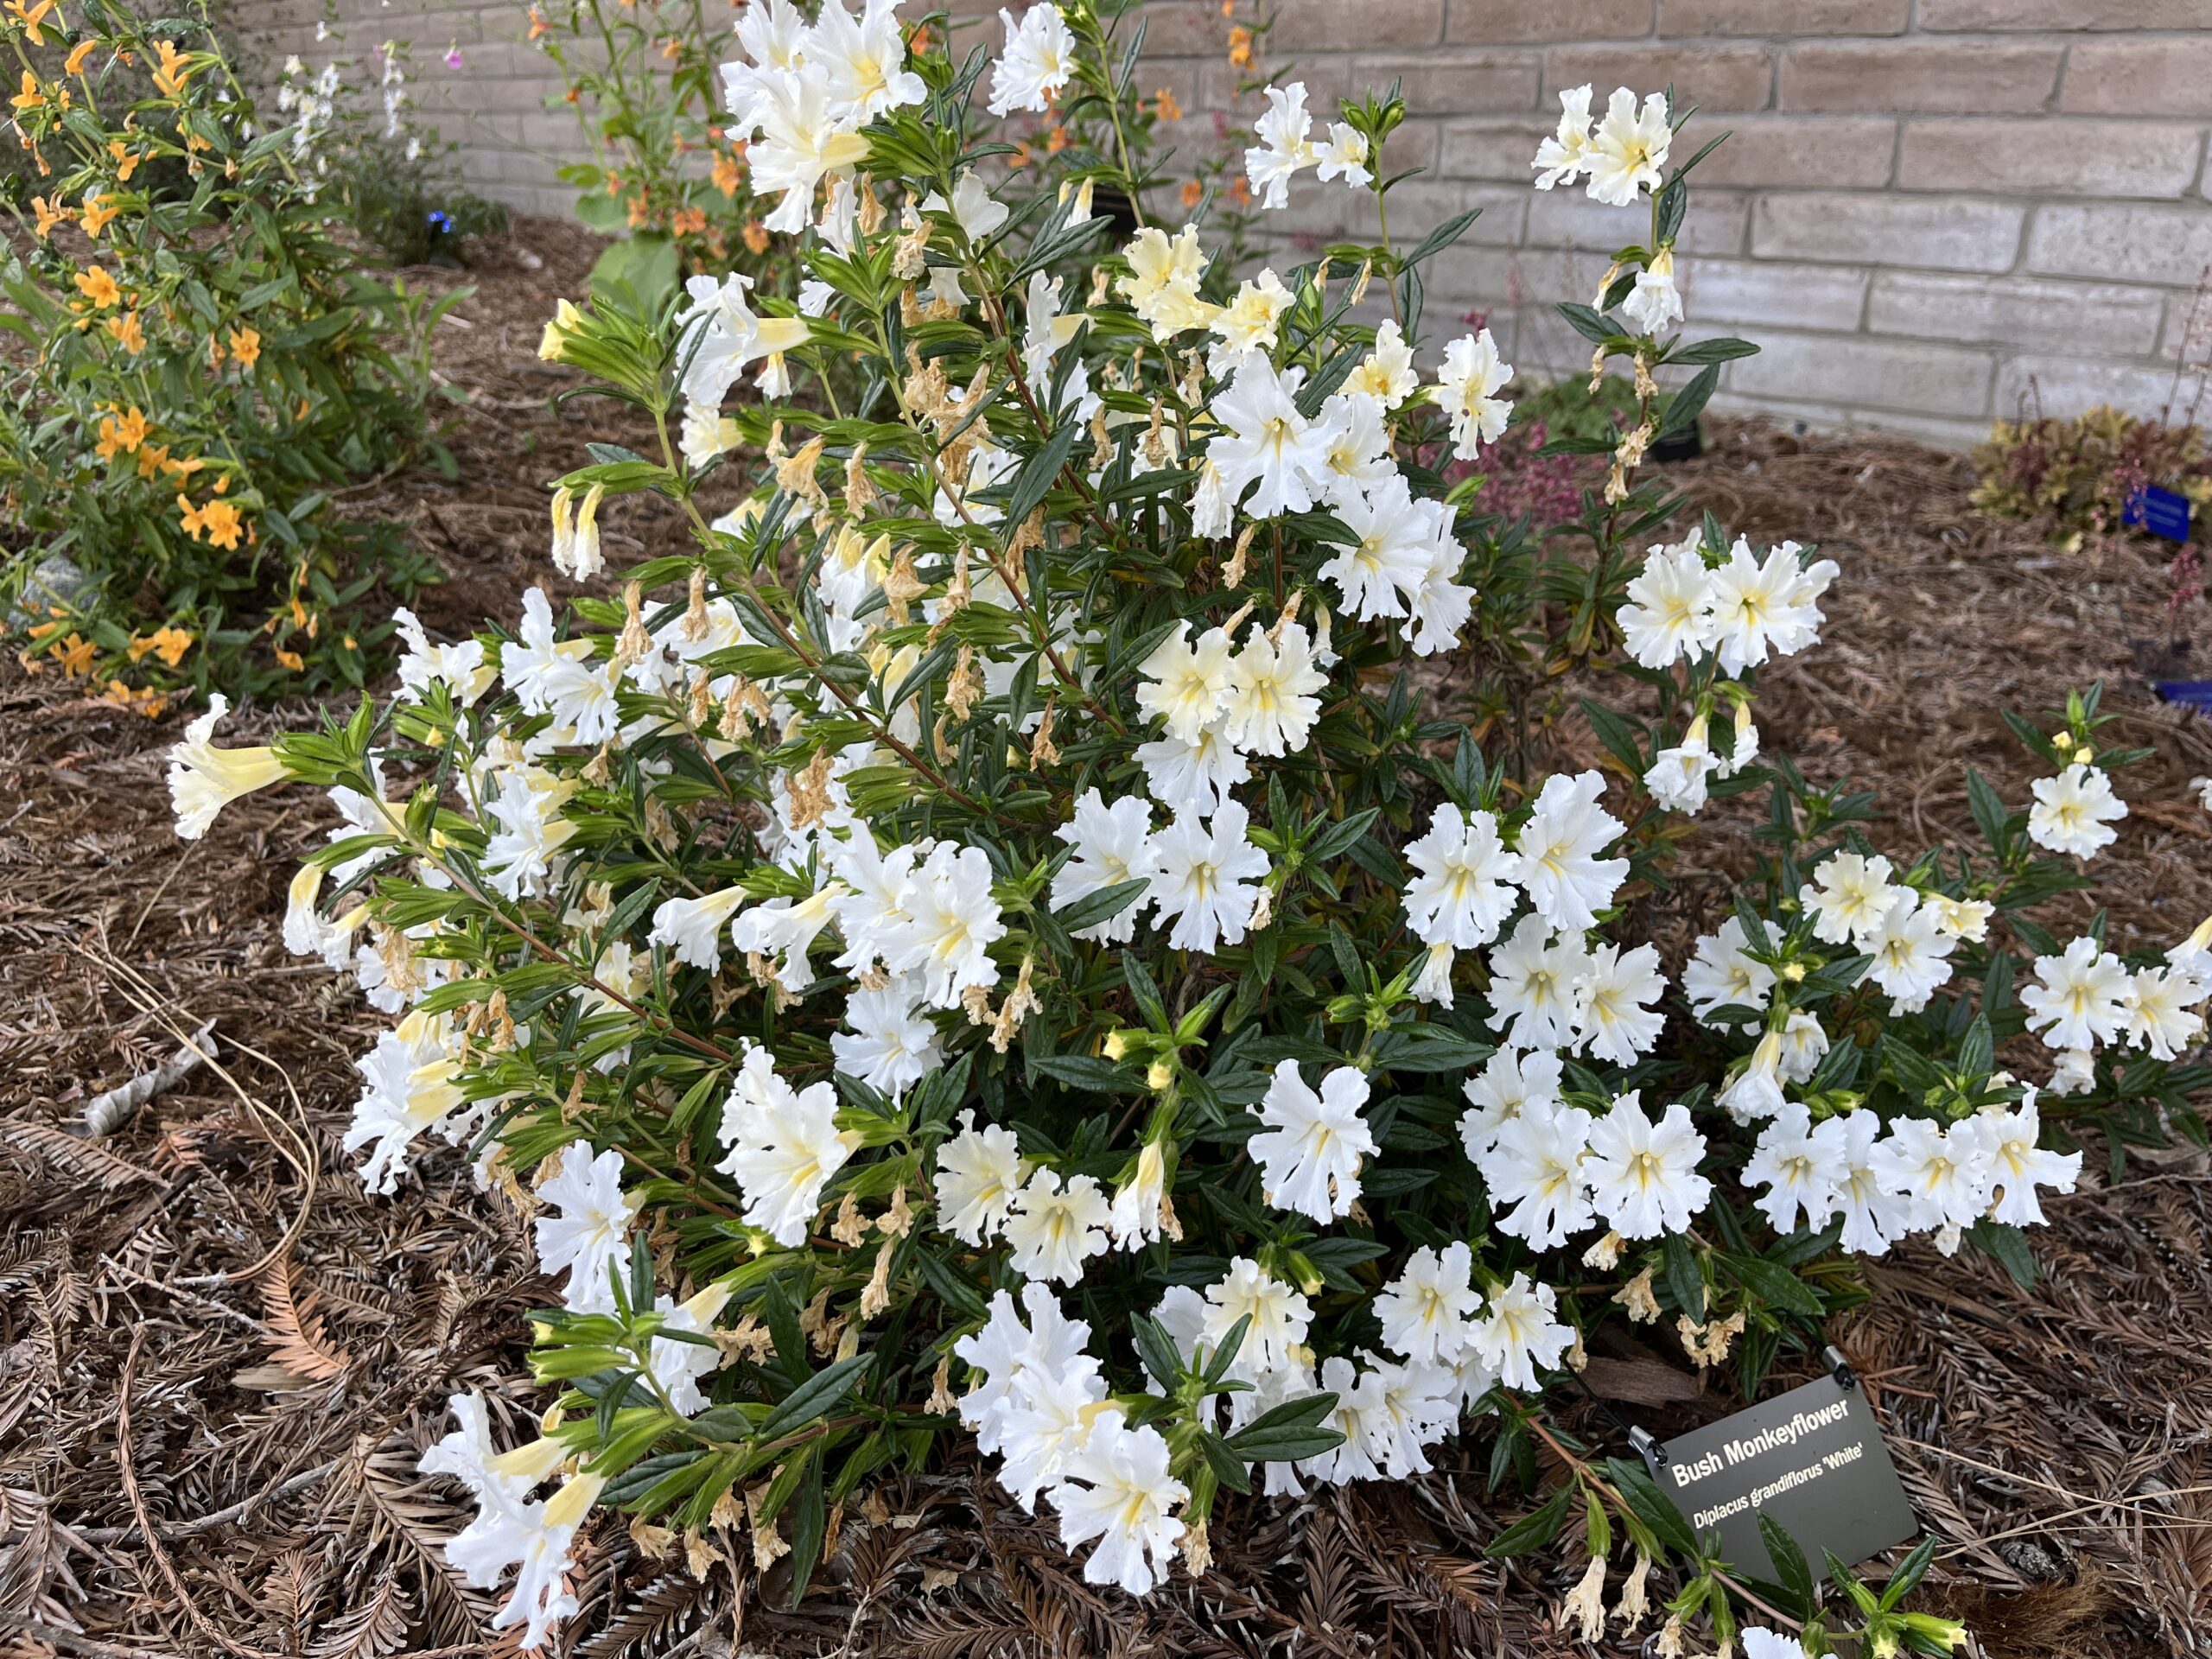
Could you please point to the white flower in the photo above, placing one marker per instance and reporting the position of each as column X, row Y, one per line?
column 1192, row 778
column 869, row 898
column 1359, row 446
column 1795, row 1161
column 460, row 668
column 1278, row 1317
column 1162, row 286
column 1186, row 683
column 531, row 830
column 785, row 929
column 1943, row 1175
column 1850, row 897
column 410, row 1077
column 1680, row 776
column 1046, row 1426
column 1440, row 606
column 1112, row 845
column 1629, row 149
column 1246, row 324
column 2016, row 1164
column 1507, row 1086
column 1532, row 984
column 978, row 1172
column 1356, row 1416
column 1803, row 1043
column 1643, row 1175
column 2074, row 811
column 1518, row 1333
column 1425, row 1312
column 2080, row 998
column 1763, row 606
column 1756, row 1092
column 534, row 1538
column 1038, row 59
column 1465, row 389
column 1911, row 952
column 1769, row 1644
column 1656, row 300
column 1117, row 1489
column 1536, row 1163
column 1265, row 442
column 889, row 1046
column 1461, row 896
column 1721, row 975
column 1345, row 156
column 973, row 207
column 1310, row 1150
column 204, row 779
column 1669, row 611
column 1874, row 1216
column 1054, row 1228
column 1007, row 1358
column 784, row 1147
column 1611, row 993
column 1960, row 918
column 803, row 138
column 1205, row 881
column 591, row 1231
column 1566, row 881
column 953, row 922
column 1419, row 1403
column 1386, row 374
column 1138, row 1200
column 1434, row 982
column 1271, row 707
column 2162, row 1012
column 720, row 334
column 1564, row 158
column 678, row 1366
column 864, row 58
column 1284, row 149
column 1398, row 533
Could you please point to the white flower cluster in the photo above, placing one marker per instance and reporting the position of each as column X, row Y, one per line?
column 1287, row 148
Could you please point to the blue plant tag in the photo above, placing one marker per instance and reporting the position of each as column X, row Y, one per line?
column 2190, row 694
column 2160, row 511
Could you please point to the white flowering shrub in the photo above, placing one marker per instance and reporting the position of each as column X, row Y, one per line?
column 1006, row 932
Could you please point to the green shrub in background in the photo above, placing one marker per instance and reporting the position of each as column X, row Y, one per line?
column 200, row 366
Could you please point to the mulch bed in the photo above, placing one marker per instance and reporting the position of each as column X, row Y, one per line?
column 219, row 1359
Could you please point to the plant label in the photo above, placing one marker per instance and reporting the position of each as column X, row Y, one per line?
column 1811, row 1459
column 2160, row 511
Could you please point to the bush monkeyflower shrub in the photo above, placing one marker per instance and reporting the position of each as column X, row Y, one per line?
column 1006, row 932
column 203, row 368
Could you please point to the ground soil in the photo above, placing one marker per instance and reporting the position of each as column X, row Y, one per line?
column 220, row 1360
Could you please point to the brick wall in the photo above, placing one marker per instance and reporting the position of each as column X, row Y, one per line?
column 1926, row 205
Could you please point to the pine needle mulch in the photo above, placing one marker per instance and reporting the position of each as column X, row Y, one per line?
column 219, row 1359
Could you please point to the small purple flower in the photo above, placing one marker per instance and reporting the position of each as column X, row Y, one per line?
column 453, row 55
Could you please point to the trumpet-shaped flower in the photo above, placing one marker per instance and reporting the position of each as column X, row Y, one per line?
column 1270, row 708
column 2078, row 998
column 2074, row 811
column 1518, row 1333
column 1038, row 59
column 1629, row 150
column 1558, row 845
column 1310, row 1150
column 1266, row 443
column 1536, row 1164
column 784, row 1147
column 1055, row 1229
column 1206, row 884
column 1284, row 149
column 1112, row 845
column 204, row 779
column 1463, row 891
column 1564, row 157
column 1507, row 1085
column 1643, row 1175
column 978, row 1173
column 589, row 1233
column 1118, row 1491
column 1467, row 389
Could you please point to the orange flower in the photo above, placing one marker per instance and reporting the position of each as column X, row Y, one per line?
column 31, row 18
column 125, row 163
column 1194, row 193
column 96, row 212
column 1020, row 157
column 291, row 659
column 215, row 351
column 74, row 63
column 1240, row 47
column 128, row 335
column 31, row 98
column 170, row 644
column 1055, row 141
column 688, row 221
column 174, row 70
column 152, row 457
column 1165, row 106
column 98, row 284
column 50, row 213
column 756, row 236
column 182, row 468
column 537, row 24
column 220, row 520
column 245, row 346
column 122, row 435
column 75, row 655
column 1240, row 191
column 727, row 174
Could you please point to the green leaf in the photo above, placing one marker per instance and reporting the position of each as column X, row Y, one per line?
column 1039, row 471
column 814, row 1397
column 1102, row 905
column 1089, row 1071
column 1790, row 1569
column 2008, row 1246
column 1534, row 1530
column 1686, row 405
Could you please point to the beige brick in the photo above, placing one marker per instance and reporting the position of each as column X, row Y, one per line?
column 1994, row 14
column 2139, row 77
column 1949, row 77
column 2074, row 158
column 2122, row 241
column 1748, row 292
column 2064, row 386
column 1443, row 83
column 1490, row 149
column 1354, row 25
column 1839, row 152
column 1955, row 234
column 2102, row 317
column 1873, row 374
column 1568, row 217
column 1173, row 29
column 1419, row 205
column 1782, row 19
column 1711, row 77
column 1479, row 22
